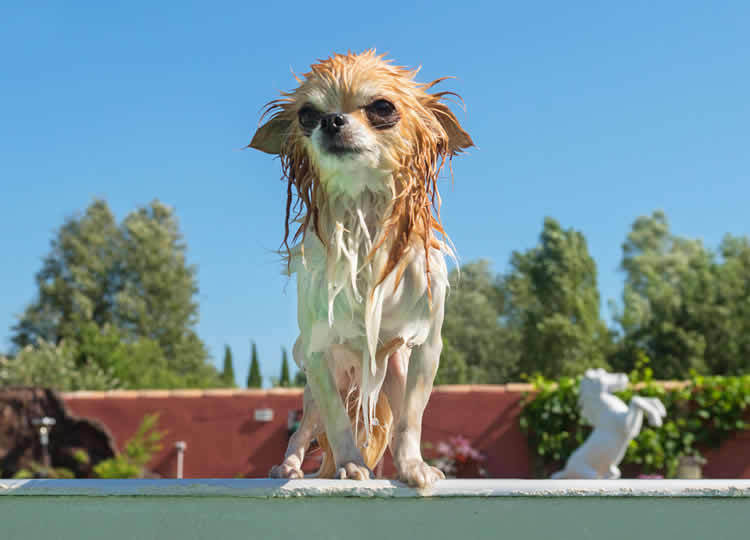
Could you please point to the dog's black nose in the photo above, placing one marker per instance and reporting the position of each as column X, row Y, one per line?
column 332, row 123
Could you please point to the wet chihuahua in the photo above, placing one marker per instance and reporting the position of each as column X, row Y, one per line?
column 361, row 145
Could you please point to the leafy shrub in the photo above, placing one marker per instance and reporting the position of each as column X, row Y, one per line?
column 701, row 414
column 54, row 366
column 131, row 462
column 37, row 470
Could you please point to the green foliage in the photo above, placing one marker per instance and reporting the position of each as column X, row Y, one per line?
column 135, row 364
column 542, row 316
column 477, row 346
column 300, row 379
column 138, row 451
column 100, row 359
column 130, row 463
column 701, row 414
column 551, row 419
column 284, row 378
column 121, row 297
column 81, row 456
column 227, row 373
column 555, row 304
column 37, row 470
column 728, row 335
column 719, row 406
column 684, row 306
column 116, row 309
column 157, row 286
column 76, row 279
column 54, row 366
column 254, row 379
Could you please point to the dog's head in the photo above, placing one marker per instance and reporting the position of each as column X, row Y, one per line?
column 355, row 119
column 361, row 111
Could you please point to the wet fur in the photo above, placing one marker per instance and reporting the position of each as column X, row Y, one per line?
column 368, row 252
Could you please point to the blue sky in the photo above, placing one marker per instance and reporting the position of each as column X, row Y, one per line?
column 592, row 113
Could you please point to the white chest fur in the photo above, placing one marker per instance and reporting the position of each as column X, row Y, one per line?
column 338, row 300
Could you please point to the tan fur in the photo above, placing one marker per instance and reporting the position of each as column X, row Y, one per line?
column 428, row 133
column 375, row 449
column 401, row 239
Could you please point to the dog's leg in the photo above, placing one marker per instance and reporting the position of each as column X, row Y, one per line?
column 309, row 428
column 407, row 455
column 336, row 423
column 408, row 393
column 394, row 384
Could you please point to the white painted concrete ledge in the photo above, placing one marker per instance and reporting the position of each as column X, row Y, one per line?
column 384, row 489
column 373, row 510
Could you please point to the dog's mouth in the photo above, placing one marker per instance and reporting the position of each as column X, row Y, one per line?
column 339, row 149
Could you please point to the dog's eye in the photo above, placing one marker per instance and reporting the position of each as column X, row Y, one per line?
column 381, row 107
column 309, row 118
column 382, row 114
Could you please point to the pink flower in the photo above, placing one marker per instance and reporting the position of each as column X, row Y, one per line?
column 444, row 449
column 459, row 449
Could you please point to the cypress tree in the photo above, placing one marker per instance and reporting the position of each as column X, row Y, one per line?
column 227, row 374
column 254, row 379
column 284, row 380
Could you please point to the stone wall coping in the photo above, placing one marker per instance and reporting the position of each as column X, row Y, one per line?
column 270, row 488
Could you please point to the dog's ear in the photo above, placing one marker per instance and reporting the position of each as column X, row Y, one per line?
column 458, row 139
column 270, row 136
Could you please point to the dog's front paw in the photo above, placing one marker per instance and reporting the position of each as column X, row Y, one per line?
column 419, row 474
column 286, row 471
column 353, row 471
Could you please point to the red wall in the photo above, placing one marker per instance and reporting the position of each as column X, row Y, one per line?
column 731, row 460
column 224, row 440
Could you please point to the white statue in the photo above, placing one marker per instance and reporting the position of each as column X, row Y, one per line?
column 615, row 425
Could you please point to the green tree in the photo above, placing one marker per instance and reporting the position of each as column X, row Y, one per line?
column 156, row 296
column 102, row 282
column 227, row 374
column 77, row 281
column 662, row 272
column 728, row 337
column 284, row 378
column 553, row 301
column 478, row 347
column 683, row 306
column 51, row 365
column 300, row 379
column 135, row 364
column 99, row 359
column 254, row 379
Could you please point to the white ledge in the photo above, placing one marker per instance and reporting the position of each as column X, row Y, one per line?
column 268, row 488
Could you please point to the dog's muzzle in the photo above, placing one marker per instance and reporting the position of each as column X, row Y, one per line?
column 331, row 124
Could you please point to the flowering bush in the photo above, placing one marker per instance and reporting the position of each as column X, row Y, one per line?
column 458, row 459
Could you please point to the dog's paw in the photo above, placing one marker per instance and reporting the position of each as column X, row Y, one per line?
column 419, row 474
column 353, row 471
column 286, row 471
